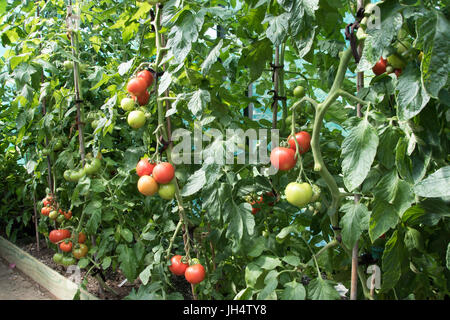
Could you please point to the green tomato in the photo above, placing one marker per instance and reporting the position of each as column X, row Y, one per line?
column 68, row 261
column 396, row 61
column 68, row 65
column 93, row 167
column 127, row 104
column 57, row 258
column 298, row 194
column 167, row 191
column 60, row 219
column 46, row 152
column 299, row 92
column 53, row 215
column 58, row 145
column 67, row 175
column 136, row 119
column 77, row 175
column 94, row 124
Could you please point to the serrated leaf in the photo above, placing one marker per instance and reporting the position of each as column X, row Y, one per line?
column 435, row 185
column 199, row 101
column 211, row 58
column 320, row 289
column 195, row 183
column 354, row 222
column 393, row 254
column 293, row 291
column 358, row 152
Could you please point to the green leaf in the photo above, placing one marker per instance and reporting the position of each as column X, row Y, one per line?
column 252, row 273
column 386, row 188
column 435, row 185
column 293, row 291
column 292, row 260
column 106, row 263
column 244, row 294
column 358, row 152
column 413, row 239
column 271, row 283
column 145, row 274
column 393, row 254
column 320, row 289
column 211, row 58
column 278, row 28
column 432, row 31
column 124, row 67
column 410, row 94
column 199, row 101
column 183, row 34
column 165, row 82
column 268, row 263
column 128, row 263
column 195, row 183
column 83, row 263
column 354, row 222
column 388, row 142
column 126, row 234
column 255, row 57
column 241, row 221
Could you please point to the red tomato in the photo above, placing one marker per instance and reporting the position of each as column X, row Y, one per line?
column 283, row 158
column 144, row 168
column 68, row 215
column 147, row 75
column 137, row 86
column 270, row 196
column 380, row 66
column 303, row 139
column 195, row 274
column 163, row 172
column 142, row 99
column 81, row 237
column 256, row 209
column 58, row 235
column 66, row 246
column 177, row 267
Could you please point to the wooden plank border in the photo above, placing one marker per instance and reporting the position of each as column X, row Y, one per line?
column 58, row 285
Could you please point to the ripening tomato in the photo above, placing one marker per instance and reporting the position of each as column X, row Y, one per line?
column 195, row 274
column 303, row 140
column 163, row 172
column 67, row 215
column 283, row 158
column 143, row 99
column 177, row 267
column 66, row 246
column 147, row 185
column 46, row 211
column 144, row 168
column 380, row 66
column 137, row 86
column 147, row 75
column 81, row 237
column 398, row 72
column 80, row 251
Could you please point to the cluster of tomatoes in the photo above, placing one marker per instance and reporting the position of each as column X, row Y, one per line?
column 156, row 178
column 64, row 240
column 194, row 273
column 91, row 167
column 284, row 158
column 50, row 209
column 256, row 204
column 137, row 87
column 387, row 65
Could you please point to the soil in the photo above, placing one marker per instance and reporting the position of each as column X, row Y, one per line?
column 14, row 285
column 112, row 279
